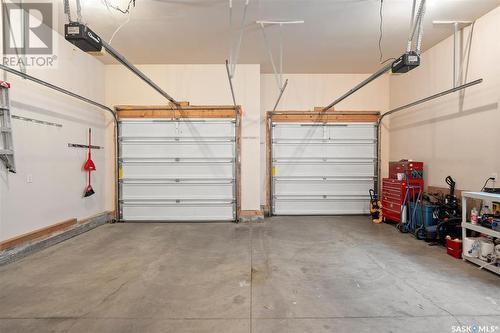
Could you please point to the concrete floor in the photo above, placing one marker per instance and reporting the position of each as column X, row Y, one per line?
column 289, row 274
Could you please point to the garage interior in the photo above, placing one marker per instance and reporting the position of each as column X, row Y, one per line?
column 250, row 166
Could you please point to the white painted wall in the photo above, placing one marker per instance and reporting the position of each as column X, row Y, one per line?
column 201, row 85
column 42, row 151
column 452, row 135
column 306, row 91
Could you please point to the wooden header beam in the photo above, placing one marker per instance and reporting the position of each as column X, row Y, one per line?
column 335, row 116
column 163, row 111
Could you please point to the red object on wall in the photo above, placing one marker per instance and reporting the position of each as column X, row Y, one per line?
column 412, row 170
column 393, row 195
column 4, row 84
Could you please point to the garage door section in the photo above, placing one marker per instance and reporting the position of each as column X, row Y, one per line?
column 177, row 169
column 322, row 169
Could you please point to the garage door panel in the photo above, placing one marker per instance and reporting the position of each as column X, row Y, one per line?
column 322, row 169
column 212, row 129
column 304, row 169
column 178, row 211
column 178, row 170
column 324, row 150
column 347, row 187
column 178, row 150
column 314, row 132
column 131, row 128
column 318, row 206
column 299, row 132
column 158, row 189
column 181, row 128
column 352, row 132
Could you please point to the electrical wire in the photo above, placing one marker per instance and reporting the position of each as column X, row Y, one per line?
column 119, row 28
column 381, row 30
column 381, row 34
column 131, row 3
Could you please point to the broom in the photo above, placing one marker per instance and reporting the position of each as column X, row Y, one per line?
column 89, row 166
column 89, row 190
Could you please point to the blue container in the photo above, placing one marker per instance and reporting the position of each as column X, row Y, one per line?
column 428, row 211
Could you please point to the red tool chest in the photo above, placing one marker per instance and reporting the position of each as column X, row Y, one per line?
column 412, row 170
column 393, row 195
column 394, row 190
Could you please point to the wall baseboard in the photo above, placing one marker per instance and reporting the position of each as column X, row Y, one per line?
column 251, row 216
column 36, row 235
column 19, row 247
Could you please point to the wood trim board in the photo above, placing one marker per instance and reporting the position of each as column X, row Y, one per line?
column 37, row 234
column 318, row 117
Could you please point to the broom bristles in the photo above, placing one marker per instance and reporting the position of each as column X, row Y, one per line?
column 88, row 192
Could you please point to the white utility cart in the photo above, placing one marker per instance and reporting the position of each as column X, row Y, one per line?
column 488, row 197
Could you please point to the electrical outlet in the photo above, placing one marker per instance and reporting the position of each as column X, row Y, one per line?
column 29, row 179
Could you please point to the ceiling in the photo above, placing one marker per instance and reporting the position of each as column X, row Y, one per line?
column 338, row 36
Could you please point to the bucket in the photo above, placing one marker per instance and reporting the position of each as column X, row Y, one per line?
column 471, row 247
column 486, row 248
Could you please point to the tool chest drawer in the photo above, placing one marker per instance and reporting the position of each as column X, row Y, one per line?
column 393, row 196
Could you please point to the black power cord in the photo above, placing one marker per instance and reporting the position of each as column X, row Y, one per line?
column 486, row 183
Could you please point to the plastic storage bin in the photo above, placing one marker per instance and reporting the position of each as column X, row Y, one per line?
column 428, row 211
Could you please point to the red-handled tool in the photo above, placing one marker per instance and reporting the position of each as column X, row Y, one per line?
column 89, row 166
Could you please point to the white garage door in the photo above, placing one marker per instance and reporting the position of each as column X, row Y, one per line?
column 322, row 169
column 177, row 170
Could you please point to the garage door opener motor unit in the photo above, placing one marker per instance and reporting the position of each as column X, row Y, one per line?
column 406, row 63
column 82, row 37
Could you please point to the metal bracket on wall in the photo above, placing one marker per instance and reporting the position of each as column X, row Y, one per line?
column 76, row 145
column 32, row 120
column 458, row 26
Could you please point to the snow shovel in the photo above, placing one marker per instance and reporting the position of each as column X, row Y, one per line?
column 89, row 164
